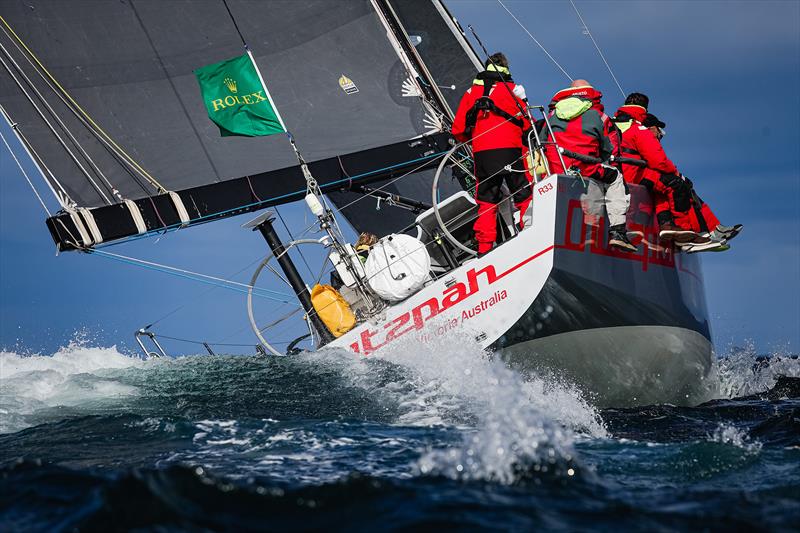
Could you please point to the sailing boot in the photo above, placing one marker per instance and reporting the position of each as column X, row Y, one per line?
column 725, row 232
column 670, row 232
column 618, row 238
column 710, row 245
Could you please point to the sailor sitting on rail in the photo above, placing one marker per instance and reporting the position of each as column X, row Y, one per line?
column 492, row 117
column 584, row 131
column 682, row 216
column 700, row 218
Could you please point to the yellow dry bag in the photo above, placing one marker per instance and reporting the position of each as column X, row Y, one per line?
column 332, row 309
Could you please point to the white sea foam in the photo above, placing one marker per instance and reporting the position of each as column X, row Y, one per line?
column 740, row 374
column 73, row 376
column 729, row 434
column 520, row 424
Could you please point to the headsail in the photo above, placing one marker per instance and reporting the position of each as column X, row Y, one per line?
column 120, row 76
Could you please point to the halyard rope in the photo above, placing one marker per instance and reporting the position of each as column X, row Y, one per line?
column 597, row 47
column 521, row 25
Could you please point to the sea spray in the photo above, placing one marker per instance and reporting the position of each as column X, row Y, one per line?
column 742, row 372
column 76, row 375
column 726, row 433
column 521, row 426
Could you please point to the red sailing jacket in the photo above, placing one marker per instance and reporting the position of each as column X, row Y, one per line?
column 580, row 126
column 491, row 130
column 638, row 142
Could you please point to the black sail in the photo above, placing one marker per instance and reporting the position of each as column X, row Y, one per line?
column 334, row 76
column 440, row 43
column 448, row 59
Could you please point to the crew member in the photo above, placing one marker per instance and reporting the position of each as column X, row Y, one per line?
column 491, row 116
column 364, row 244
column 700, row 218
column 660, row 176
column 583, row 130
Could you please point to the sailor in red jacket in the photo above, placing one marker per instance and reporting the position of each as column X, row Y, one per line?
column 678, row 208
column 700, row 218
column 661, row 176
column 584, row 131
column 491, row 116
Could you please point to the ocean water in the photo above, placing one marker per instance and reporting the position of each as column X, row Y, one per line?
column 95, row 440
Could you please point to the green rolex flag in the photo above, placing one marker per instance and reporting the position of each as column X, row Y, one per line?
column 236, row 99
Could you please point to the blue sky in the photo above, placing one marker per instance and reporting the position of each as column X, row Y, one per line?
column 724, row 76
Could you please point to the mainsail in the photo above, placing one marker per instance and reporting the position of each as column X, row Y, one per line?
column 104, row 96
column 449, row 65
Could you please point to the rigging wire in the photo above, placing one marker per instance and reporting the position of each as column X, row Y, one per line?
column 45, row 119
column 521, row 25
column 264, row 328
column 286, row 226
column 108, row 147
column 180, row 339
column 196, row 276
column 235, row 25
column 597, row 47
column 47, row 175
column 132, row 162
column 75, row 141
column 112, row 149
column 24, row 173
column 201, row 295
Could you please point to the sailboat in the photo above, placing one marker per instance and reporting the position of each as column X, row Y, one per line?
column 103, row 98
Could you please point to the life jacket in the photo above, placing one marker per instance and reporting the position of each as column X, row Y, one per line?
column 485, row 104
column 638, row 142
column 362, row 251
column 489, row 115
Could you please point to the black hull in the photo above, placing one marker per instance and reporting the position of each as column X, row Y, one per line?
column 630, row 329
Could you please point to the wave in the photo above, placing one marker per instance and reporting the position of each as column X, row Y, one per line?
column 410, row 385
column 75, row 377
column 236, row 411
column 743, row 371
column 229, row 399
